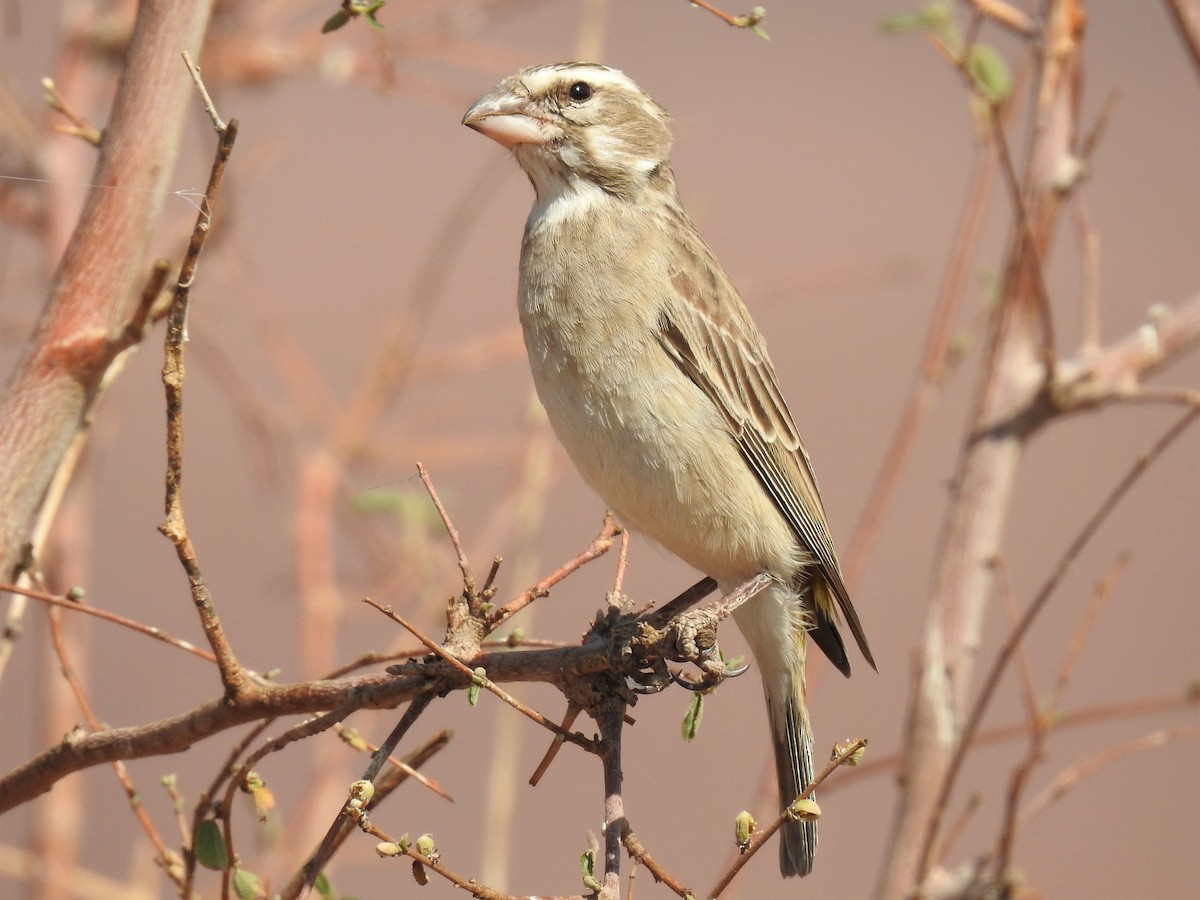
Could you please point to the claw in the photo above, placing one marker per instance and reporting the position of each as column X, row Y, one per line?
column 710, row 680
column 652, row 687
column 650, row 680
column 740, row 670
column 695, row 686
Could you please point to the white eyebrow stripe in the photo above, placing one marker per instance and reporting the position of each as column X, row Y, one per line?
column 539, row 80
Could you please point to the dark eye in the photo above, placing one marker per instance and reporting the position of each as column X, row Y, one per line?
column 580, row 92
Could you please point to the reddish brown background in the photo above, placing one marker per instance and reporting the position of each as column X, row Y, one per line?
column 827, row 169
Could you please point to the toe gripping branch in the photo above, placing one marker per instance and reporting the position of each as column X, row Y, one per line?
column 675, row 634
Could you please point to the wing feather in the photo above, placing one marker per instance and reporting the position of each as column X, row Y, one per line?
column 711, row 337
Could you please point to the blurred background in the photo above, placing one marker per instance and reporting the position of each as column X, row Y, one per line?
column 355, row 314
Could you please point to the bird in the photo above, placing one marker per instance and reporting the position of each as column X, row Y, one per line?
column 657, row 382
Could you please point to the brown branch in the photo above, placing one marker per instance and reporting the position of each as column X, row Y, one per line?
column 65, row 602
column 329, row 844
column 1007, row 15
column 464, row 566
column 55, row 384
column 1116, row 372
column 1078, row 718
column 762, row 837
column 388, row 783
column 1085, row 768
column 174, row 528
column 992, row 679
column 482, row 680
column 1012, row 382
column 610, row 717
column 164, row 857
column 80, row 127
column 639, row 854
column 377, row 691
column 932, row 372
column 600, row 545
column 751, row 20
column 1186, row 16
column 1043, row 722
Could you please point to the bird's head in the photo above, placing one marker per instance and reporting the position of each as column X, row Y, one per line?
column 577, row 122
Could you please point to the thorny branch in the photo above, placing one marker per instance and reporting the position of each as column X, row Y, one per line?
column 174, row 527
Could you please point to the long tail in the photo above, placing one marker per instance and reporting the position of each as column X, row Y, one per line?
column 774, row 626
column 791, row 738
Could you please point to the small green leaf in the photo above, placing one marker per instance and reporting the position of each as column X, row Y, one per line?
column 990, row 71
column 322, row 886
column 370, row 16
column 478, row 679
column 754, row 22
column 336, row 21
column 933, row 17
column 209, row 846
column 691, row 720
column 247, row 885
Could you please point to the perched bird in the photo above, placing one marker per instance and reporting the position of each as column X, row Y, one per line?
column 658, row 383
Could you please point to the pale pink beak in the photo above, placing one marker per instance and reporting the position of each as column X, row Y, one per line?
column 502, row 115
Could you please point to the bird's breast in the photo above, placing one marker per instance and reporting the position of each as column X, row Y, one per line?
column 638, row 430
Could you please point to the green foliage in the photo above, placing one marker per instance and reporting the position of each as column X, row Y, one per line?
column 983, row 62
column 247, row 885
column 691, row 719
column 353, row 9
column 209, row 846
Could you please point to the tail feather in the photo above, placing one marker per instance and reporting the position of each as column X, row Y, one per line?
column 792, row 741
column 775, row 625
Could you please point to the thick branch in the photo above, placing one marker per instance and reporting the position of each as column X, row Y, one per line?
column 52, row 389
column 177, row 733
column 1013, row 379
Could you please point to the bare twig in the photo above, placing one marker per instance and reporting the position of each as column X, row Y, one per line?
column 388, row 783
column 79, row 606
column 329, row 844
column 352, row 739
column 455, row 540
column 1007, row 15
column 600, row 545
column 1042, row 723
column 474, row 677
column 80, row 127
column 1070, row 777
column 194, row 70
column 932, row 371
column 1186, row 15
column 639, row 854
column 1099, row 599
column 174, row 526
column 569, row 717
column 992, row 680
column 959, row 825
column 611, row 718
column 752, row 20
column 164, row 856
column 760, row 838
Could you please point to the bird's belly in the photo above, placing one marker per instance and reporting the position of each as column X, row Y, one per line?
column 659, row 454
